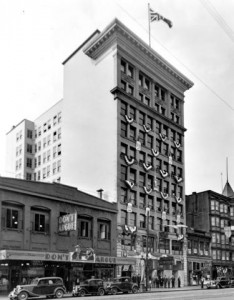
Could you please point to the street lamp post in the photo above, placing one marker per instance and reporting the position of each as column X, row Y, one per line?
column 147, row 253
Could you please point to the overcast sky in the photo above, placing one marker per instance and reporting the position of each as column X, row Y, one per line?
column 38, row 35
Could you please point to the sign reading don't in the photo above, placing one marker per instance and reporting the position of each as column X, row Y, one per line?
column 67, row 222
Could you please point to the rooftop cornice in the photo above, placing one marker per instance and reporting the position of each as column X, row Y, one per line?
column 117, row 32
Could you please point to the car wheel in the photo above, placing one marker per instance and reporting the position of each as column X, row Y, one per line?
column 59, row 294
column 134, row 290
column 82, row 293
column 101, row 292
column 23, row 296
column 114, row 291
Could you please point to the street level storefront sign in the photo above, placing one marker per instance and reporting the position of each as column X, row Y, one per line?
column 167, row 260
column 106, row 259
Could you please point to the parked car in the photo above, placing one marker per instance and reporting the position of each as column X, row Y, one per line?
column 89, row 287
column 122, row 285
column 220, row 282
column 231, row 282
column 45, row 286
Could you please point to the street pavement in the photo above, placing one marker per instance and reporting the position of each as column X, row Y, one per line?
column 152, row 290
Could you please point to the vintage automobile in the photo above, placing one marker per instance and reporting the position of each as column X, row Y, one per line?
column 46, row 286
column 89, row 287
column 220, row 282
column 122, row 285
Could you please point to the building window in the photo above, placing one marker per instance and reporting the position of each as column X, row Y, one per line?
column 132, row 135
column 103, row 230
column 29, row 134
column 164, row 245
column 133, row 197
column 59, row 149
column 124, row 108
column 54, row 168
column 123, row 129
column 142, row 137
column 11, row 218
column 59, row 133
column 29, row 148
column 59, row 166
column 59, row 117
column 142, row 221
column 124, row 219
column 123, row 195
column 28, row 176
column 176, row 247
column 142, row 200
column 85, row 227
column 29, row 163
column 123, row 172
column 132, row 219
column 40, row 221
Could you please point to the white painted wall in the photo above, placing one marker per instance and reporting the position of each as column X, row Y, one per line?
column 89, row 132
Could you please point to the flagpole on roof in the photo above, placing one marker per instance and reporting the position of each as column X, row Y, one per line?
column 149, row 24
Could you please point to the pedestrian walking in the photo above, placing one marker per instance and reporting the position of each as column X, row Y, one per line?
column 165, row 281
column 169, row 282
column 202, row 282
column 173, row 281
column 179, row 282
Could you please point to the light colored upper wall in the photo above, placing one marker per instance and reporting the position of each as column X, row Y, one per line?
column 90, row 124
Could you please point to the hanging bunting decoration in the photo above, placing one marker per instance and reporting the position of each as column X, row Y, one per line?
column 129, row 183
column 147, row 167
column 164, row 215
column 132, row 229
column 177, row 144
column 178, row 179
column 148, row 191
column 147, row 128
column 138, row 145
column 129, row 161
column 170, row 159
column 164, row 195
column 163, row 137
column 155, row 152
column 129, row 119
column 164, row 173
column 178, row 199
column 180, row 237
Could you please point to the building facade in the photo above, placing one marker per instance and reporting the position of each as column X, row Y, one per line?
column 34, row 148
column 123, row 133
column 214, row 213
column 54, row 230
column 139, row 142
column 199, row 256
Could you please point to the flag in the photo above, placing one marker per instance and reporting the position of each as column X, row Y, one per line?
column 154, row 16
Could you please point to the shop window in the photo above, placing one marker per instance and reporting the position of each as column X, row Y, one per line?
column 164, row 245
column 176, row 247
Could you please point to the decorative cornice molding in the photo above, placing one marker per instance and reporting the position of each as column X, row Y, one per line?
column 115, row 32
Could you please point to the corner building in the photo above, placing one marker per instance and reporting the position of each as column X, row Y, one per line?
column 124, row 116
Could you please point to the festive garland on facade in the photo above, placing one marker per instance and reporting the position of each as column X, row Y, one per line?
column 155, row 152
column 129, row 183
column 147, row 128
column 147, row 167
column 129, row 119
column 129, row 161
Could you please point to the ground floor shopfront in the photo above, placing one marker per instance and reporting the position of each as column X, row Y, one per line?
column 20, row 267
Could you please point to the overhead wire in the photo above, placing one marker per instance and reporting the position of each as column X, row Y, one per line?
column 177, row 59
column 218, row 18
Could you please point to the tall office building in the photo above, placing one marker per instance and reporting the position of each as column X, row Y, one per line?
column 34, row 147
column 124, row 116
column 123, row 134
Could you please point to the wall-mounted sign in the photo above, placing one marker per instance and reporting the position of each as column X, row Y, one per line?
column 67, row 222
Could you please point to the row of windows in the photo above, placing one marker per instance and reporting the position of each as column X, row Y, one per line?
column 149, row 90
column 150, row 159
column 149, row 141
column 12, row 218
column 163, row 246
column 47, row 140
column 46, row 157
column 222, row 255
column 219, row 222
column 221, row 207
column 221, row 238
column 142, row 118
column 132, row 219
column 150, row 201
column 47, row 125
column 149, row 181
